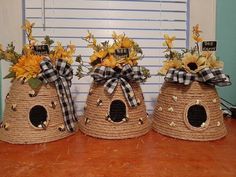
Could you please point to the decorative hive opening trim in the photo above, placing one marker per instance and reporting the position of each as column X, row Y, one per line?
column 117, row 111
column 38, row 117
column 196, row 116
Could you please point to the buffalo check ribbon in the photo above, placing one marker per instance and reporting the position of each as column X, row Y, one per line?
column 111, row 78
column 210, row 76
column 60, row 74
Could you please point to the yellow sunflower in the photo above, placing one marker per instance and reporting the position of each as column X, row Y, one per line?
column 105, row 53
column 59, row 52
column 196, row 29
column 109, row 61
column 101, row 54
column 192, row 63
column 207, row 54
column 117, row 36
column 93, row 58
column 212, row 62
column 112, row 48
column 127, row 42
column 175, row 63
column 122, row 41
column 28, row 30
column 169, row 41
column 97, row 57
column 196, row 34
column 27, row 66
column 197, row 38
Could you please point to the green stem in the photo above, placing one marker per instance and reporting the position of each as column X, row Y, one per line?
column 198, row 49
column 171, row 54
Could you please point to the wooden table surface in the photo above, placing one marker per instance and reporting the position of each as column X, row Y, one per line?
column 152, row 155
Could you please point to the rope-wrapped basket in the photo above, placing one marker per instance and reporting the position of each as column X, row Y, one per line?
column 109, row 116
column 190, row 112
column 32, row 116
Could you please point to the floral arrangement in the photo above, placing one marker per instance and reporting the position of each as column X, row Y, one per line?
column 26, row 66
column 192, row 64
column 190, row 61
column 110, row 55
column 114, row 63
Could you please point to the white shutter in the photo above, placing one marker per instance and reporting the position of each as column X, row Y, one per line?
column 146, row 21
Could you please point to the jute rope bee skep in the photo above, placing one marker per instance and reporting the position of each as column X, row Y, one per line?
column 188, row 106
column 115, row 107
column 189, row 112
column 39, row 107
column 111, row 117
column 32, row 116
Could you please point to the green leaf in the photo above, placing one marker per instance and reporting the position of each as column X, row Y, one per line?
column 48, row 41
column 10, row 75
column 34, row 83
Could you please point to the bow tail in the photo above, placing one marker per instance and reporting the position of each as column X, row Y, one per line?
column 111, row 84
column 215, row 76
column 68, row 114
column 128, row 92
column 66, row 85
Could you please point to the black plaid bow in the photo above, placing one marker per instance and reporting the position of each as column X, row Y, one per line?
column 211, row 76
column 112, row 78
column 61, row 74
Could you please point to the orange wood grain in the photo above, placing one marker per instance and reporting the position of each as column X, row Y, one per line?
column 152, row 155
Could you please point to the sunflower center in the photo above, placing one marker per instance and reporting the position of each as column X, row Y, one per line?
column 192, row 66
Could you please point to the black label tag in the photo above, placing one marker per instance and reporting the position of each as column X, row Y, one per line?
column 122, row 52
column 41, row 49
column 209, row 45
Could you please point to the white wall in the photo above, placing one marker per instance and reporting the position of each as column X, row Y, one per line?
column 10, row 23
column 203, row 12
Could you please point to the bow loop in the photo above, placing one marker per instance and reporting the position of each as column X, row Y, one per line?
column 102, row 73
column 48, row 73
column 64, row 69
column 124, row 76
column 127, row 72
column 211, row 76
column 111, row 84
column 138, row 74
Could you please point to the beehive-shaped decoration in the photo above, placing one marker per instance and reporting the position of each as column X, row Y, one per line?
column 32, row 116
column 110, row 116
column 189, row 112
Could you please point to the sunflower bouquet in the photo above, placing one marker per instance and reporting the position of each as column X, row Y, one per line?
column 26, row 66
column 193, row 63
column 123, row 51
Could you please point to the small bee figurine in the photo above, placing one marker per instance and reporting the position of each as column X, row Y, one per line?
column 86, row 121
column 62, row 128
column 125, row 119
column 140, row 121
column 108, row 117
column 43, row 125
column 99, row 102
column 13, row 107
column 53, row 104
column 6, row 126
column 32, row 93
column 7, row 96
